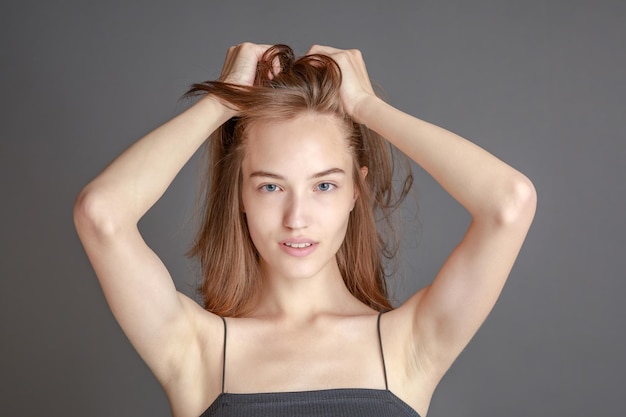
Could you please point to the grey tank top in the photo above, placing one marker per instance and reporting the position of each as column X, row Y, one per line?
column 342, row 402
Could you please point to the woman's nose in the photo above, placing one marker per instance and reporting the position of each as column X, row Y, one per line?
column 296, row 213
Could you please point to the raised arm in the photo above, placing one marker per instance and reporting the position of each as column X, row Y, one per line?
column 159, row 321
column 445, row 315
column 501, row 202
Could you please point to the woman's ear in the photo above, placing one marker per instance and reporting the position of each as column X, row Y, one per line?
column 363, row 172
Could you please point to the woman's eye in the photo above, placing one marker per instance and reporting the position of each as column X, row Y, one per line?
column 325, row 186
column 269, row 187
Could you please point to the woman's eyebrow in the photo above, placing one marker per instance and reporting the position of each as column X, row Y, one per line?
column 328, row 172
column 266, row 174
column 280, row 177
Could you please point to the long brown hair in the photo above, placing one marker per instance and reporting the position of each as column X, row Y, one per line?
column 228, row 258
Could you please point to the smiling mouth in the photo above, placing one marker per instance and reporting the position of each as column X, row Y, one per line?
column 297, row 245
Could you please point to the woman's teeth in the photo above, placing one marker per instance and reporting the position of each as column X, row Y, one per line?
column 298, row 245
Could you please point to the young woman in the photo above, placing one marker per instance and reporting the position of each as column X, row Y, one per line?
column 292, row 262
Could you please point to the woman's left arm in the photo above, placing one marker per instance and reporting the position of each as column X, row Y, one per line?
column 501, row 200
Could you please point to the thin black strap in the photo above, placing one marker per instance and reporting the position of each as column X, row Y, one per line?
column 224, row 357
column 382, row 355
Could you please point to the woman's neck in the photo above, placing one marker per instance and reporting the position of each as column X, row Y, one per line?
column 305, row 299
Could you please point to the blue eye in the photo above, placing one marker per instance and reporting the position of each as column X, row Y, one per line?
column 325, row 186
column 269, row 187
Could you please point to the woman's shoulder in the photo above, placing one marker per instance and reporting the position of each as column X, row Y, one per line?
column 207, row 328
column 198, row 360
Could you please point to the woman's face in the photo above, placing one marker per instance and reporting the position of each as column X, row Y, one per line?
column 297, row 193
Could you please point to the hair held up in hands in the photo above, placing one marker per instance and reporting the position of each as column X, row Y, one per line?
column 284, row 88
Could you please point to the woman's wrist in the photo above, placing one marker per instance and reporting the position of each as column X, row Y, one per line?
column 366, row 109
column 220, row 109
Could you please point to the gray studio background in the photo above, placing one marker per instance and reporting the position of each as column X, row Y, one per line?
column 540, row 84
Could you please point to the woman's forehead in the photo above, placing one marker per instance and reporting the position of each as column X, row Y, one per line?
column 309, row 142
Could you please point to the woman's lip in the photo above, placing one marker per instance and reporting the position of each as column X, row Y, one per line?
column 297, row 240
column 297, row 251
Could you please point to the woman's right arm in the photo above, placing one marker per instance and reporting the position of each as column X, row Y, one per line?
column 159, row 321
column 138, row 288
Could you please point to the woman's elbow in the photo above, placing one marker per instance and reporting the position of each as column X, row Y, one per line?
column 94, row 214
column 518, row 203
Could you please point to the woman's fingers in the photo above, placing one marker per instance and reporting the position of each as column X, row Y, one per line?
column 240, row 67
column 241, row 63
column 327, row 50
column 355, row 85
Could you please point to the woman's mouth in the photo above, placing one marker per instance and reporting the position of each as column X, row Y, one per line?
column 297, row 245
column 298, row 249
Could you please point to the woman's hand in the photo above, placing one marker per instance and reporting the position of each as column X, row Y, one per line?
column 241, row 63
column 355, row 86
